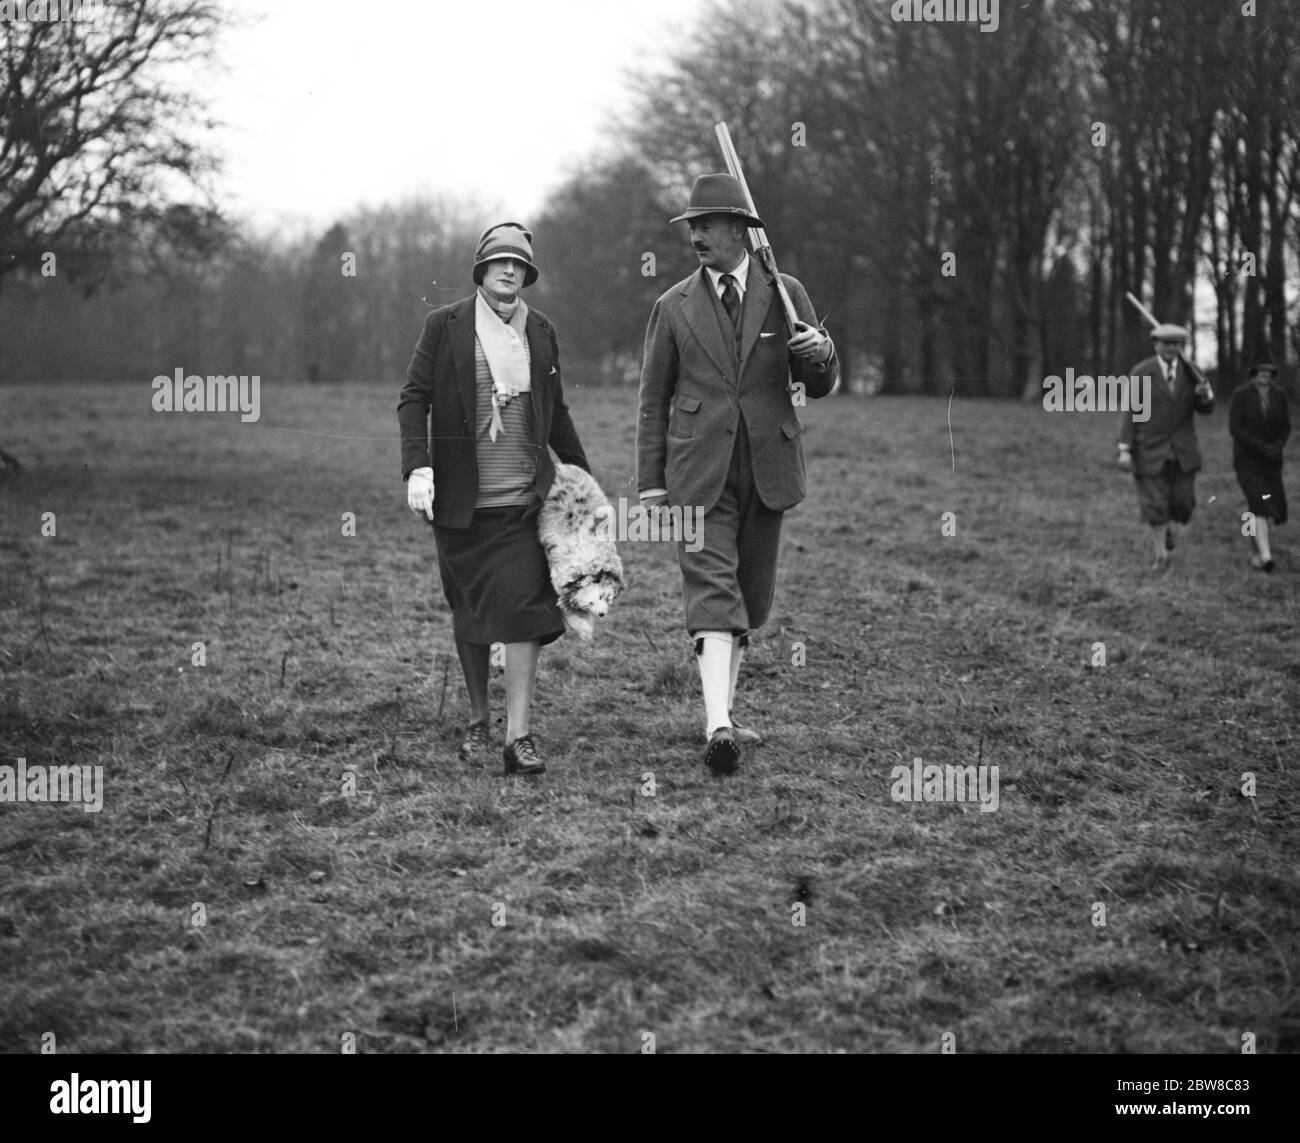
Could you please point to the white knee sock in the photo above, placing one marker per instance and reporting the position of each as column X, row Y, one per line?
column 715, row 676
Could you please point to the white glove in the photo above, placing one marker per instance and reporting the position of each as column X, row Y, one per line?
column 419, row 491
column 1125, row 459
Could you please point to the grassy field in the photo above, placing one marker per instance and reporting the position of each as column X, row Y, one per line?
column 332, row 912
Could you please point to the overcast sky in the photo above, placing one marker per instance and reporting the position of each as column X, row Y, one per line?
column 334, row 103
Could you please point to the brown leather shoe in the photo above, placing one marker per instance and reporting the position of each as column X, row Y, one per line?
column 522, row 758
column 722, row 754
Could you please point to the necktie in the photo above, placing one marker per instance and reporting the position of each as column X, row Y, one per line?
column 731, row 299
column 1173, row 378
column 1263, row 401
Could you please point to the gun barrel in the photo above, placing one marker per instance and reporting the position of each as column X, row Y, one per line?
column 1146, row 313
column 757, row 234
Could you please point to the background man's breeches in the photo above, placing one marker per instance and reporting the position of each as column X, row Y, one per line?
column 1168, row 495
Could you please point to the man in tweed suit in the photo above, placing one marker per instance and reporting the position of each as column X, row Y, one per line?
column 1162, row 452
column 718, row 434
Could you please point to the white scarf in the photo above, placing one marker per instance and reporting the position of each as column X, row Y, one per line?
column 503, row 346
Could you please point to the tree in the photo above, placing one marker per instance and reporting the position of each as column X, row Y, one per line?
column 745, row 66
column 1256, row 192
column 412, row 256
column 330, row 310
column 96, row 137
column 1161, row 83
column 606, row 252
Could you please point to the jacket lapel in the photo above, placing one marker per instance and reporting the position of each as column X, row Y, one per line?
column 758, row 298
column 1186, row 391
column 1160, row 389
column 462, row 356
column 539, row 364
column 697, row 309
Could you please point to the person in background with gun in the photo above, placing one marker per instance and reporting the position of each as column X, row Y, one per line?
column 1162, row 452
column 718, row 432
column 1260, row 424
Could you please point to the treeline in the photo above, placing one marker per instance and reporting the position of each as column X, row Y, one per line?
column 970, row 208
column 346, row 305
column 967, row 208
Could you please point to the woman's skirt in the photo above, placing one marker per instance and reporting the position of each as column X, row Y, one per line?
column 1262, row 484
column 496, row 578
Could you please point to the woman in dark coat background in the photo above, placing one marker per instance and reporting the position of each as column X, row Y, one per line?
column 482, row 400
column 1260, row 424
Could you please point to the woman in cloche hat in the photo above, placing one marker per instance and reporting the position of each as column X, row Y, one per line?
column 1260, row 424
column 481, row 403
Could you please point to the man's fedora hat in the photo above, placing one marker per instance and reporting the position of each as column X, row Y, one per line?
column 718, row 194
column 505, row 240
column 1167, row 331
column 1263, row 363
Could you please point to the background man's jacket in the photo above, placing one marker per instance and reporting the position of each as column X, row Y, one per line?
column 436, row 411
column 695, row 384
column 1170, row 425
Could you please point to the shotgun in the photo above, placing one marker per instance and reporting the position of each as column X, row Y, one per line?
column 1146, row 313
column 1151, row 321
column 757, row 235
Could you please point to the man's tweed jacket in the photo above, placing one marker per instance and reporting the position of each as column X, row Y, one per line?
column 1170, row 427
column 696, row 383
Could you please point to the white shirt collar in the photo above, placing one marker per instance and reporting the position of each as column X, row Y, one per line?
column 740, row 273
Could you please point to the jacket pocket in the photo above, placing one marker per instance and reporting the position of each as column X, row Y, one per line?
column 681, row 424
